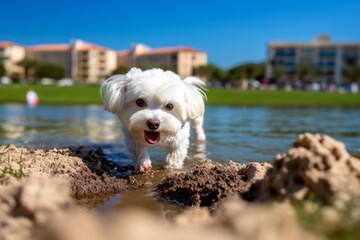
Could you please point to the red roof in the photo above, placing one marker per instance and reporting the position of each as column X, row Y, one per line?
column 123, row 53
column 165, row 50
column 8, row 44
column 49, row 47
column 91, row 46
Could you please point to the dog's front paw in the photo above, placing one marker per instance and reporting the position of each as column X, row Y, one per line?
column 200, row 137
column 144, row 167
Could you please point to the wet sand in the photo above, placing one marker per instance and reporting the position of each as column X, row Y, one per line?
column 57, row 188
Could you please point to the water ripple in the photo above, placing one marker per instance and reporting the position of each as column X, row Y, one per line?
column 241, row 134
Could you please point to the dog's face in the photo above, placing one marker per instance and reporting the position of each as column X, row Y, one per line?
column 152, row 104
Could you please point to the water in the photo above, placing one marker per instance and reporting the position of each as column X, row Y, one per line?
column 241, row 134
column 233, row 133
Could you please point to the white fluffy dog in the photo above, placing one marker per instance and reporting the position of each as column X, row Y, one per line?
column 155, row 108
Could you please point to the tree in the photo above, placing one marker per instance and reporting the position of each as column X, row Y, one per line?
column 2, row 70
column 168, row 68
column 351, row 73
column 247, row 71
column 279, row 73
column 47, row 70
column 120, row 70
column 28, row 65
column 306, row 73
column 211, row 73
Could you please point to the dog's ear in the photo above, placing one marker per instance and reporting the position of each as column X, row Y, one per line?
column 194, row 97
column 133, row 71
column 113, row 91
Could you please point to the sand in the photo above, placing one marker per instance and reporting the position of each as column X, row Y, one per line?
column 225, row 201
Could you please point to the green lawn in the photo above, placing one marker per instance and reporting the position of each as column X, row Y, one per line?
column 281, row 98
column 90, row 95
column 52, row 94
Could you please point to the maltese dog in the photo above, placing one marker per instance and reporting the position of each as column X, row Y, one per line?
column 156, row 108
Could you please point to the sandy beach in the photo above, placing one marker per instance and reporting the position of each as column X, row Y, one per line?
column 39, row 190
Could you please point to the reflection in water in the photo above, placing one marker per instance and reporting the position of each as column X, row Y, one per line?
column 233, row 133
column 257, row 134
column 57, row 125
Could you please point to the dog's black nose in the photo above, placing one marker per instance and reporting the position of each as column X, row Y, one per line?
column 153, row 124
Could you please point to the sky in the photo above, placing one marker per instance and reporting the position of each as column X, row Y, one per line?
column 232, row 32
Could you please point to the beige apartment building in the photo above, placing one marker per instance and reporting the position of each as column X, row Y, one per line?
column 10, row 55
column 82, row 61
column 179, row 59
column 325, row 60
column 90, row 63
column 58, row 54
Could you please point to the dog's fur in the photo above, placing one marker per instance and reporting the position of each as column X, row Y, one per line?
column 156, row 108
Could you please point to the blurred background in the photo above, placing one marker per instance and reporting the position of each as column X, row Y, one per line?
column 258, row 54
column 244, row 44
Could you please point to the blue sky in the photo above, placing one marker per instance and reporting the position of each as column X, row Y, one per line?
column 230, row 31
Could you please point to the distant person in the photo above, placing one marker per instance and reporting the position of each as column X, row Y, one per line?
column 32, row 98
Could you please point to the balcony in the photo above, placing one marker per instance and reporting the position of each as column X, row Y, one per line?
column 327, row 52
column 285, row 52
column 326, row 64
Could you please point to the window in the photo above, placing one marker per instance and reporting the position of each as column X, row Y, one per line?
column 327, row 52
column 285, row 52
column 7, row 50
column 307, row 52
column 351, row 56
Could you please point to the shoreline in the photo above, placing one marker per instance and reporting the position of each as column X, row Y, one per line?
column 317, row 169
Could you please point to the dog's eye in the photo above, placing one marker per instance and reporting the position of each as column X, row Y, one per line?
column 140, row 102
column 169, row 106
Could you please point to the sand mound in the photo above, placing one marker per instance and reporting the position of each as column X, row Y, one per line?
column 210, row 182
column 39, row 206
column 317, row 167
column 38, row 209
column 87, row 170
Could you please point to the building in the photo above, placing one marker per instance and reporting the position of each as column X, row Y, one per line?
column 89, row 63
column 10, row 56
column 58, row 54
column 178, row 59
column 93, row 62
column 82, row 61
column 320, row 60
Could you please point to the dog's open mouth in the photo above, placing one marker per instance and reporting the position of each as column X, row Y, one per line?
column 152, row 137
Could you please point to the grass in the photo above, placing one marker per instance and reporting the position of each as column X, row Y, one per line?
column 341, row 224
column 6, row 166
column 90, row 95
column 282, row 98
column 52, row 94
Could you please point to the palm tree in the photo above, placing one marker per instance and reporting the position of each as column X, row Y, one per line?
column 28, row 65
column 351, row 73
column 120, row 70
column 211, row 73
column 306, row 73
column 2, row 70
column 48, row 70
column 247, row 71
column 279, row 73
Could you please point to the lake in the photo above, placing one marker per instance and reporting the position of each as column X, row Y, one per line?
column 241, row 134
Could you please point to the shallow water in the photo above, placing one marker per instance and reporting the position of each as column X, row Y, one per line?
column 242, row 134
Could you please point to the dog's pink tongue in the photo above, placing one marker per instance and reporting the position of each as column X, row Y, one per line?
column 152, row 137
